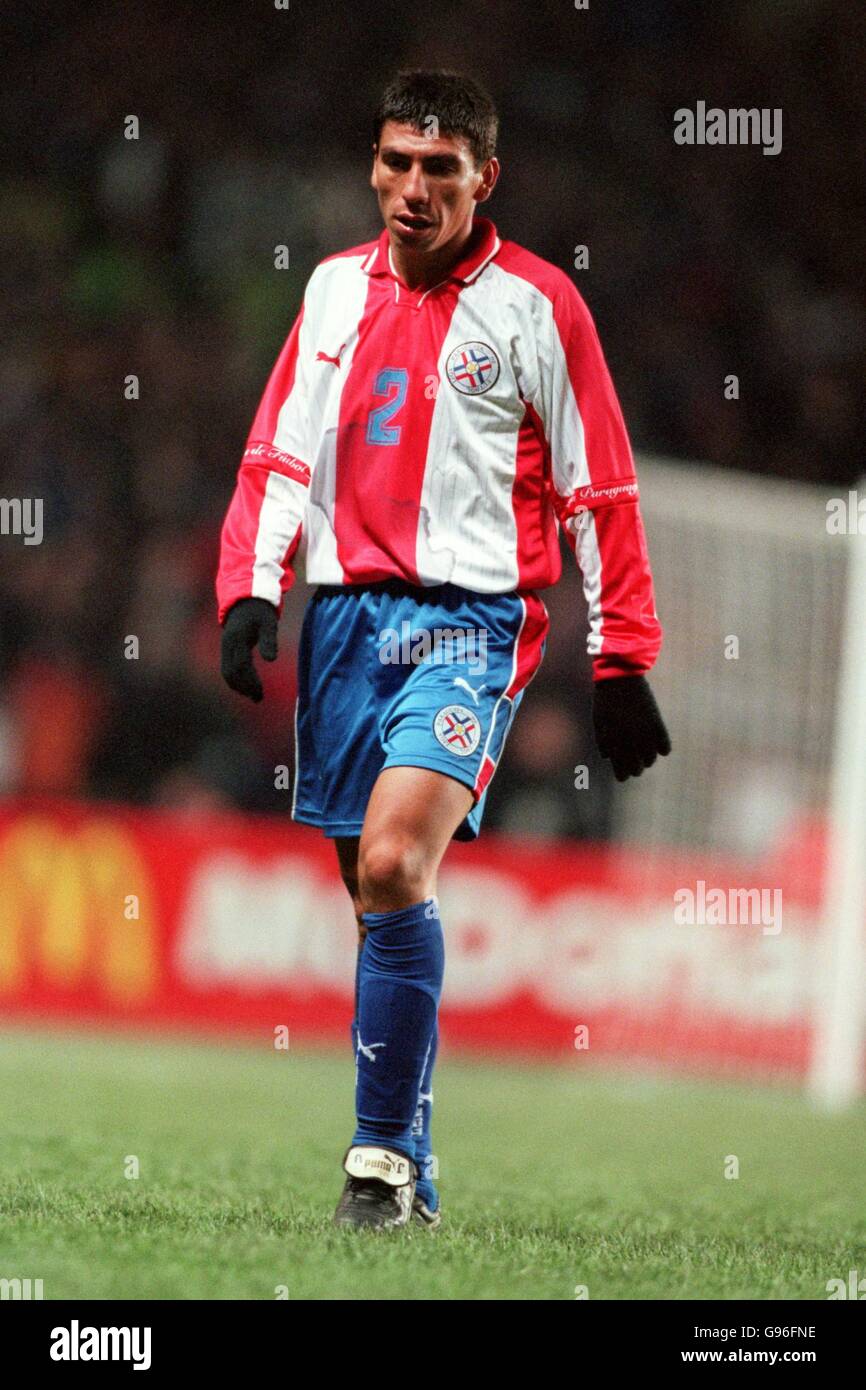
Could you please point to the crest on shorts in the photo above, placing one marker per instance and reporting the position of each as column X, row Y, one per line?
column 472, row 368
column 457, row 729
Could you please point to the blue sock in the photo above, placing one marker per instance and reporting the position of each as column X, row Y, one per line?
column 353, row 1031
column 399, row 982
column 421, row 1130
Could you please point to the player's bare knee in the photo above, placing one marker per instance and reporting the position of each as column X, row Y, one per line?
column 391, row 873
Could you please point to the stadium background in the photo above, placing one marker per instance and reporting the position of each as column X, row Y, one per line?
column 146, row 782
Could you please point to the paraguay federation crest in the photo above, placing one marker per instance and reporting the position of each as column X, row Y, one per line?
column 457, row 729
column 472, row 368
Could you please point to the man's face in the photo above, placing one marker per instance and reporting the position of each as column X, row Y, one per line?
column 427, row 188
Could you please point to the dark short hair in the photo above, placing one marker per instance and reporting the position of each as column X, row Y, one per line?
column 460, row 105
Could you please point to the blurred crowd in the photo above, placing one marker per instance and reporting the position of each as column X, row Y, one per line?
column 153, row 258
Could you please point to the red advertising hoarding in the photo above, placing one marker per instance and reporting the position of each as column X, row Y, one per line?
column 115, row 915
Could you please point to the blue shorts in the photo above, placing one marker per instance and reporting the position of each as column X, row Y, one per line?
column 395, row 676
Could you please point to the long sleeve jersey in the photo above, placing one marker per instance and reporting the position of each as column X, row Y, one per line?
column 439, row 436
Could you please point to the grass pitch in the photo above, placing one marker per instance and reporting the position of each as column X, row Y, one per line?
column 551, row 1177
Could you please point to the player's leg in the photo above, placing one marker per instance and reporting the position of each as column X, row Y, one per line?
column 347, row 855
column 439, row 755
column 411, row 818
column 426, row 1201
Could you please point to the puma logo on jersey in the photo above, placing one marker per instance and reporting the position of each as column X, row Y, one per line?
column 334, row 361
column 458, row 680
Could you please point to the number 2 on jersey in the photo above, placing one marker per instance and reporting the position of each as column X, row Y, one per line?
column 378, row 429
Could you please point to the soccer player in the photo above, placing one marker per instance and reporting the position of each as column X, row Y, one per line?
column 441, row 402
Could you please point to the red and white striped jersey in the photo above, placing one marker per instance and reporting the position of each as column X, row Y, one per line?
column 438, row 436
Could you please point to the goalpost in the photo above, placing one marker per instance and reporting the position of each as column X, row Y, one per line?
column 775, row 736
column 836, row 1074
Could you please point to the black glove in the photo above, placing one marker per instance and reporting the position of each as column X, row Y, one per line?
column 628, row 727
column 249, row 622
